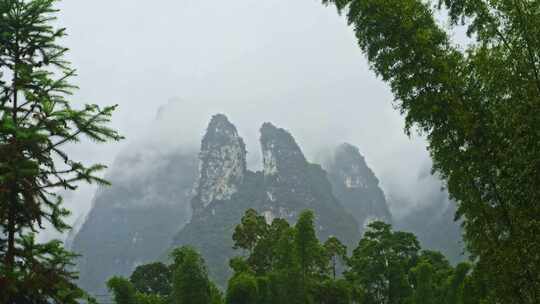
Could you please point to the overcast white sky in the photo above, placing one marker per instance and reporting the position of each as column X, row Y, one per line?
column 294, row 63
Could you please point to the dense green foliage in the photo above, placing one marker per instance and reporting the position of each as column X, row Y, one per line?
column 381, row 263
column 479, row 107
column 36, row 121
column 386, row 267
column 190, row 278
column 336, row 252
column 242, row 289
column 152, row 278
column 185, row 280
column 123, row 291
column 288, row 264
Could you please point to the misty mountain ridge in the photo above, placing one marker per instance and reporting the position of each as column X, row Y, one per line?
column 180, row 198
column 286, row 185
column 353, row 181
column 130, row 221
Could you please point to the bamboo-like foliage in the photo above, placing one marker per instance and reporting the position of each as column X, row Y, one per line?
column 480, row 109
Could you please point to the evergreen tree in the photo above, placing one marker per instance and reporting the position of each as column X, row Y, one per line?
column 36, row 121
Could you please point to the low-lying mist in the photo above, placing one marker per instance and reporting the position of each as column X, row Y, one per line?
column 291, row 63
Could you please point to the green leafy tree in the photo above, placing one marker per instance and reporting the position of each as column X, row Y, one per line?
column 252, row 228
column 479, row 108
column 262, row 259
column 36, row 122
column 454, row 294
column 333, row 292
column 425, row 286
column 336, row 252
column 475, row 289
column 441, row 271
column 381, row 262
column 263, row 290
column 272, row 260
column 386, row 267
column 308, row 249
column 151, row 283
column 216, row 296
column 242, row 289
column 190, row 278
column 145, row 298
column 239, row 265
column 154, row 278
column 285, row 278
column 122, row 290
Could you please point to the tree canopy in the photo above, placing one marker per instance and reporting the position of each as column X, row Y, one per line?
column 479, row 109
column 387, row 266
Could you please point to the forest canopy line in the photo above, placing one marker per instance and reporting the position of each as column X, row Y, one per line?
column 480, row 111
column 288, row 264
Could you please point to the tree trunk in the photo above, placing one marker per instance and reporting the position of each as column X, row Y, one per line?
column 12, row 205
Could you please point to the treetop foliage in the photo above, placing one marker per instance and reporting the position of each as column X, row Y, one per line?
column 386, row 267
column 479, row 108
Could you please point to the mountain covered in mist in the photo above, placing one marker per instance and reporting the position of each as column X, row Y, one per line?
column 161, row 200
column 132, row 222
column 356, row 186
column 435, row 227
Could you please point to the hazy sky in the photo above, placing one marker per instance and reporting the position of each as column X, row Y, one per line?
column 294, row 63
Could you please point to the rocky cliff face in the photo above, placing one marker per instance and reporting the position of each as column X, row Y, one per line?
column 284, row 168
column 356, row 186
column 224, row 189
column 133, row 221
column 222, row 164
column 281, row 154
column 287, row 185
column 292, row 184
